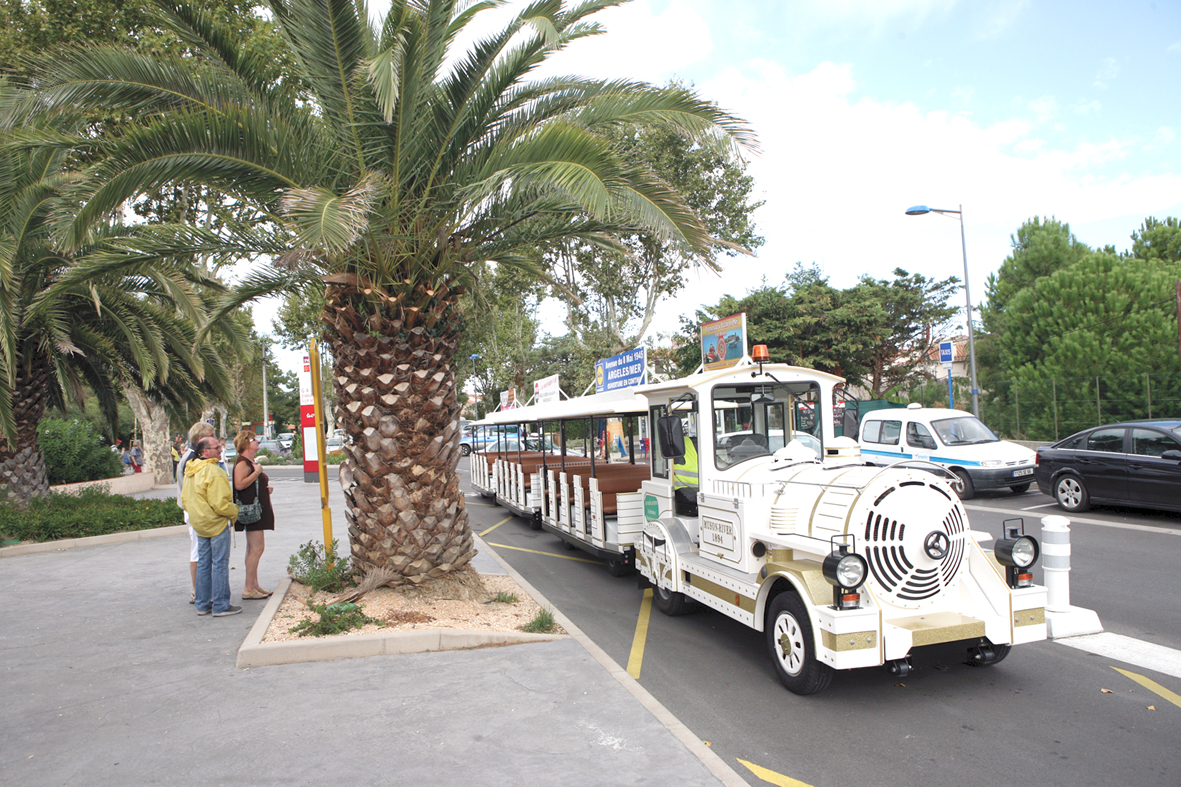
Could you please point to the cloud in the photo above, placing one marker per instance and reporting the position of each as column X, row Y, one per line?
column 1108, row 71
column 838, row 171
column 1090, row 108
column 1044, row 108
column 640, row 43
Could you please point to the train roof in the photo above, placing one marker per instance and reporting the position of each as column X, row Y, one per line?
column 621, row 402
column 702, row 378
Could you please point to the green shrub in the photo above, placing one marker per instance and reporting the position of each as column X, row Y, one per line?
column 75, row 451
column 312, row 568
column 334, row 619
column 543, row 623
column 90, row 512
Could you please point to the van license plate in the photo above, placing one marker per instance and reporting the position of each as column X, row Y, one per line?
column 1026, row 471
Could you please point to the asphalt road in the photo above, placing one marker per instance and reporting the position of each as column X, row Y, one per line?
column 1040, row 717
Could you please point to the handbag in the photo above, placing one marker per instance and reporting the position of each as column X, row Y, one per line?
column 249, row 513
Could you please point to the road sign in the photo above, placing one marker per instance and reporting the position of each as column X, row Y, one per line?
column 946, row 354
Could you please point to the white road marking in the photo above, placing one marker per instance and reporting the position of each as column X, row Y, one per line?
column 1078, row 520
column 1043, row 505
column 1146, row 655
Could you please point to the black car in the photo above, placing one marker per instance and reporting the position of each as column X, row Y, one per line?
column 1134, row 464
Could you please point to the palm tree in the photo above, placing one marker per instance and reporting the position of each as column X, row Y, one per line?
column 403, row 166
column 99, row 318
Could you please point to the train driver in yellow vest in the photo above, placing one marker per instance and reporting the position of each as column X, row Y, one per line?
column 685, row 468
column 685, row 480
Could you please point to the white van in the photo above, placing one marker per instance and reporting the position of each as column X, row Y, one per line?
column 951, row 438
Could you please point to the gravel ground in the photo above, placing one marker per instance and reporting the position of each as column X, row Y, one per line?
column 439, row 605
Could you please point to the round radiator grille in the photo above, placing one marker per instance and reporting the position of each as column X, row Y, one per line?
column 914, row 542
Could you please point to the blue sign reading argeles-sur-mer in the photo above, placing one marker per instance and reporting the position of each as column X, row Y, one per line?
column 621, row 371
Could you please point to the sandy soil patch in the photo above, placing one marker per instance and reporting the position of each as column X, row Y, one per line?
column 467, row 602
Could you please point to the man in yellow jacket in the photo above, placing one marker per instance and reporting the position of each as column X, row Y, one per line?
column 207, row 499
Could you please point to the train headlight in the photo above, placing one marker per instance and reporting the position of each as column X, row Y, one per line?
column 846, row 571
column 1019, row 552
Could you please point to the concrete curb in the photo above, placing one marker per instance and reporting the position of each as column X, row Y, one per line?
column 90, row 541
column 254, row 653
column 126, row 484
column 716, row 765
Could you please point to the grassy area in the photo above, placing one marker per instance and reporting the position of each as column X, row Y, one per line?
column 91, row 512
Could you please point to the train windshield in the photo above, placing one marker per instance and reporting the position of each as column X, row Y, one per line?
column 757, row 420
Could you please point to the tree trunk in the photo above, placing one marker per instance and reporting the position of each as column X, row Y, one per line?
column 395, row 385
column 22, row 468
column 154, row 424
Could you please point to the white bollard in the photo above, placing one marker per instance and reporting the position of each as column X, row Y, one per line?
column 1056, row 562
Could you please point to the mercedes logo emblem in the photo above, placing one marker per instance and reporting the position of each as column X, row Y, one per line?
column 936, row 545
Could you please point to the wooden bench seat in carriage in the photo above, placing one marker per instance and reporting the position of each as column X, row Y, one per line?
column 614, row 479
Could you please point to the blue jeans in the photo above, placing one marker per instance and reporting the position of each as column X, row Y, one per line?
column 213, row 572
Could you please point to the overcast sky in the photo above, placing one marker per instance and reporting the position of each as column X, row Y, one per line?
column 865, row 107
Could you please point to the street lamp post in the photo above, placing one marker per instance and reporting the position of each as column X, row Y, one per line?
column 473, row 358
column 919, row 210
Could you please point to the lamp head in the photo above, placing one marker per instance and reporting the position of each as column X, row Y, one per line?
column 917, row 210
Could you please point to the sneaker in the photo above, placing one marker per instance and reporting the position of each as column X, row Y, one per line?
column 204, row 611
column 230, row 610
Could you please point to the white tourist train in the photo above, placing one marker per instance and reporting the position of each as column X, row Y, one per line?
column 751, row 503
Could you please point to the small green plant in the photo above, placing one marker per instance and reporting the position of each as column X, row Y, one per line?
column 334, row 619
column 543, row 623
column 318, row 570
column 506, row 598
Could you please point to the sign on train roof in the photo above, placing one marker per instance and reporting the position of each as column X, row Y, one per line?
column 621, row 371
column 723, row 342
column 546, row 390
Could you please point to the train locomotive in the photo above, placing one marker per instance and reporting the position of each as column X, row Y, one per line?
column 752, row 504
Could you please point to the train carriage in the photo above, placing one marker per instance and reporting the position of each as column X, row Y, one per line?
column 590, row 502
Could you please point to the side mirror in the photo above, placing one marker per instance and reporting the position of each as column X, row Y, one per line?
column 1174, row 455
column 671, row 436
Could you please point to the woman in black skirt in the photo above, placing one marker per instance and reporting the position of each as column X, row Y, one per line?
column 246, row 473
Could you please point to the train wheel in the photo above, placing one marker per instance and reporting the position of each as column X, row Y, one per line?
column 793, row 651
column 671, row 602
column 988, row 655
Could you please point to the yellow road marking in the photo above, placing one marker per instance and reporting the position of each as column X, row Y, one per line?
column 1151, row 685
column 498, row 524
column 547, row 554
column 637, row 656
column 772, row 776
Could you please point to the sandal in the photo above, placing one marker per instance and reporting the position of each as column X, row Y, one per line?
column 260, row 593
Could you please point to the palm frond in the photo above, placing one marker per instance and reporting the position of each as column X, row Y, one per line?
column 332, row 222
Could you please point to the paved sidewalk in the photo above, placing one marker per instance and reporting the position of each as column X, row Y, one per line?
column 110, row 678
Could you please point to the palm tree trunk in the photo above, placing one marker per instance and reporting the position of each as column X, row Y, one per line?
column 395, row 383
column 22, row 467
